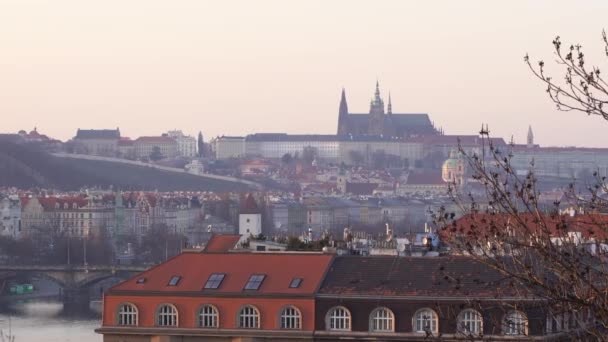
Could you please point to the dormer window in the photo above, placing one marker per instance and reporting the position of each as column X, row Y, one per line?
column 215, row 280
column 140, row 280
column 74, row 206
column 295, row 283
column 255, row 281
column 174, row 281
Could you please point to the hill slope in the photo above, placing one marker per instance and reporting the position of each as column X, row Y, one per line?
column 24, row 167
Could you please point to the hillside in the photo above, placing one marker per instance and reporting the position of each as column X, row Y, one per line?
column 24, row 167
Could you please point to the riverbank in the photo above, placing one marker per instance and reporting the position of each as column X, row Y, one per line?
column 49, row 321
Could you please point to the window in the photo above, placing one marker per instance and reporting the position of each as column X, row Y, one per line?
column 382, row 320
column 167, row 316
column 249, row 317
column 141, row 280
column 470, row 322
column 291, row 318
column 515, row 323
column 425, row 321
column 215, row 280
column 174, row 280
column 255, row 281
column 127, row 314
column 338, row 318
column 295, row 283
column 208, row 317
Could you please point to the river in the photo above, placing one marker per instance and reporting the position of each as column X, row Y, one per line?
column 48, row 321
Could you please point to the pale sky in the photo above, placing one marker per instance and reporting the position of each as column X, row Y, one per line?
column 240, row 67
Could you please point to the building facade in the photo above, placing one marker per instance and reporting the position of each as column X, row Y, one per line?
column 249, row 296
column 145, row 146
column 186, row 145
column 228, row 297
column 99, row 142
column 10, row 216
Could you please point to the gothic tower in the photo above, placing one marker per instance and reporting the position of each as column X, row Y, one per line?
column 376, row 113
column 530, row 140
column 343, row 127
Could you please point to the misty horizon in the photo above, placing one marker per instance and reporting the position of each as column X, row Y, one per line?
column 149, row 67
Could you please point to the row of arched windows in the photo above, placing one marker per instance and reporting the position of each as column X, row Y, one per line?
column 338, row 318
column 208, row 316
column 425, row 320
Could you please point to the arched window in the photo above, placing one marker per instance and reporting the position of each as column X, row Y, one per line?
column 425, row 321
column 166, row 316
column 127, row 314
column 338, row 318
column 515, row 323
column 291, row 318
column 208, row 317
column 382, row 320
column 249, row 317
column 470, row 322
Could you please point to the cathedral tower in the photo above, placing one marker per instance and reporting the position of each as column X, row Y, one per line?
column 376, row 113
column 343, row 128
column 530, row 140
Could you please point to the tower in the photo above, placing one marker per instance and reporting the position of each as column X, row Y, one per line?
column 389, row 107
column 530, row 140
column 376, row 113
column 343, row 128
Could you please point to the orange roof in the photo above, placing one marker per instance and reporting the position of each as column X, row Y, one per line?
column 486, row 225
column 195, row 268
column 221, row 243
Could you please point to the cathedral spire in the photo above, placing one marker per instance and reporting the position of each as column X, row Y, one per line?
column 343, row 115
column 389, row 107
column 530, row 139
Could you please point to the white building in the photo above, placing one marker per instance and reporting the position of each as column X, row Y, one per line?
column 186, row 145
column 327, row 147
column 195, row 167
column 250, row 219
column 250, row 225
column 228, row 147
column 10, row 217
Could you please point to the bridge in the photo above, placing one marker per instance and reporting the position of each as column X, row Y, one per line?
column 74, row 280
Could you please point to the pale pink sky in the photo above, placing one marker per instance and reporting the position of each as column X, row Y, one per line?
column 238, row 67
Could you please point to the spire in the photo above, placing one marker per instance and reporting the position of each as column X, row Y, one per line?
column 530, row 137
column 343, row 115
column 389, row 108
column 377, row 92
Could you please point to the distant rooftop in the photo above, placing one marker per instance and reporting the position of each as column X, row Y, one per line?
column 98, row 134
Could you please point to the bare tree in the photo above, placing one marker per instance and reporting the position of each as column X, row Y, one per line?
column 550, row 254
column 583, row 88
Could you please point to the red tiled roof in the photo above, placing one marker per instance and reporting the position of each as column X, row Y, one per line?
column 195, row 268
column 221, row 243
column 425, row 178
column 478, row 225
column 361, row 188
column 249, row 206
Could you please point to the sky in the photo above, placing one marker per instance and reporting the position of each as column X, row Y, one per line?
column 240, row 67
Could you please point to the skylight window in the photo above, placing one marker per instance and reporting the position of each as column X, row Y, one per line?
column 295, row 283
column 255, row 281
column 141, row 280
column 174, row 280
column 215, row 280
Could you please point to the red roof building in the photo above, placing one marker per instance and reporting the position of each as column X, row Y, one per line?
column 219, row 294
column 319, row 297
column 222, row 243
